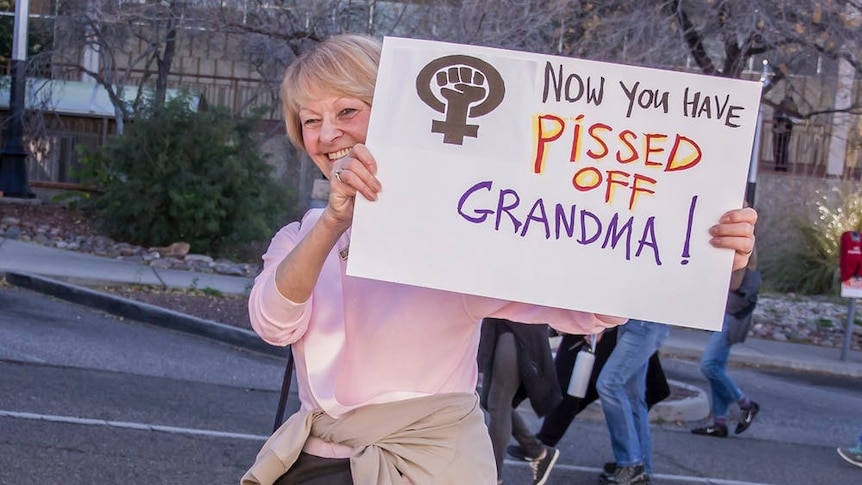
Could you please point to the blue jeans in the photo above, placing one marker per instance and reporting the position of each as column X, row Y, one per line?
column 713, row 365
column 621, row 387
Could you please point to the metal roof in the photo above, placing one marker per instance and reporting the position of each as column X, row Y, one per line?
column 74, row 97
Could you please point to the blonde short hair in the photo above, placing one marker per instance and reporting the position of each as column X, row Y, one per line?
column 344, row 65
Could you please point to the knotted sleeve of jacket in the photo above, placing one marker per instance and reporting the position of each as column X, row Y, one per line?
column 439, row 439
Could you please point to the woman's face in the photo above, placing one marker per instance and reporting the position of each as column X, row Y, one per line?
column 331, row 125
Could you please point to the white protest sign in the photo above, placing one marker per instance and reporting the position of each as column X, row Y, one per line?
column 555, row 181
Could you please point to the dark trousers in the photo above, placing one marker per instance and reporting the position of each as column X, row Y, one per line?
column 557, row 422
column 781, row 149
column 504, row 421
column 314, row 470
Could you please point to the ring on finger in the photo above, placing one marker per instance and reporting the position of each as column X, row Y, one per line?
column 337, row 174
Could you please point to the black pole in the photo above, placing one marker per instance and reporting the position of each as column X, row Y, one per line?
column 285, row 390
column 751, row 185
column 13, row 156
column 848, row 334
column 754, row 162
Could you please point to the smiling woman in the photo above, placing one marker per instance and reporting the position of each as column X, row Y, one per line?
column 347, row 77
column 362, row 417
column 331, row 126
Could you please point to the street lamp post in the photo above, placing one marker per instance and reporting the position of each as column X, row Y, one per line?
column 13, row 169
column 755, row 149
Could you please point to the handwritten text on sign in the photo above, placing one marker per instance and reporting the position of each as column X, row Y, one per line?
column 554, row 181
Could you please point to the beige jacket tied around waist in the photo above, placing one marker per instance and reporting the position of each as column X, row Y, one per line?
column 434, row 440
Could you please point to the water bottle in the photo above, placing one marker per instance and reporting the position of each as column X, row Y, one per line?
column 581, row 372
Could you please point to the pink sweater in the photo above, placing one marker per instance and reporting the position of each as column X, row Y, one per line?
column 358, row 341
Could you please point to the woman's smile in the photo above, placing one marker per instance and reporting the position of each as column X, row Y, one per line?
column 338, row 155
column 331, row 126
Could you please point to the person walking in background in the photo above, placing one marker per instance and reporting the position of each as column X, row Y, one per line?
column 852, row 455
column 622, row 389
column 557, row 422
column 782, row 127
column 517, row 363
column 742, row 298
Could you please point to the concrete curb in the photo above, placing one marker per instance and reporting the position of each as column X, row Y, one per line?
column 693, row 408
column 146, row 313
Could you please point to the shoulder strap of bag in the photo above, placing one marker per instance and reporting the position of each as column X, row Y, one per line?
column 285, row 390
column 285, row 382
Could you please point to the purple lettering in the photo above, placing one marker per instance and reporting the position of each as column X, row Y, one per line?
column 502, row 207
column 561, row 222
column 649, row 233
column 542, row 218
column 481, row 214
column 582, row 226
column 598, row 227
column 613, row 236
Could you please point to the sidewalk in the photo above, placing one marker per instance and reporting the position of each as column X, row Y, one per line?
column 689, row 344
column 55, row 271
column 71, row 266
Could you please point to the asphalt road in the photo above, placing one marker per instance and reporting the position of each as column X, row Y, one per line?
column 88, row 398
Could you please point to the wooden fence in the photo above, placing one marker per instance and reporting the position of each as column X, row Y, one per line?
column 53, row 155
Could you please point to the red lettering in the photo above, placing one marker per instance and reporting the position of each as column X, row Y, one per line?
column 587, row 179
column 637, row 189
column 625, row 137
column 604, row 147
column 613, row 180
column 685, row 162
column 543, row 139
column 651, row 149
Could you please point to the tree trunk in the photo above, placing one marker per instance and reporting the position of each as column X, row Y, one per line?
column 167, row 59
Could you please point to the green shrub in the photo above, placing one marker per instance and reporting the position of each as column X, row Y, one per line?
column 809, row 264
column 180, row 175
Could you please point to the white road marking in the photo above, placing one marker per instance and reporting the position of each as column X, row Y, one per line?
column 661, row 476
column 131, row 425
column 251, row 437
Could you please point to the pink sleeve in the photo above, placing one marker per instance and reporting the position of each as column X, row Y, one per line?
column 276, row 319
column 566, row 321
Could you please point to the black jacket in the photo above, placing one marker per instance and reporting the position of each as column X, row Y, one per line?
column 538, row 375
